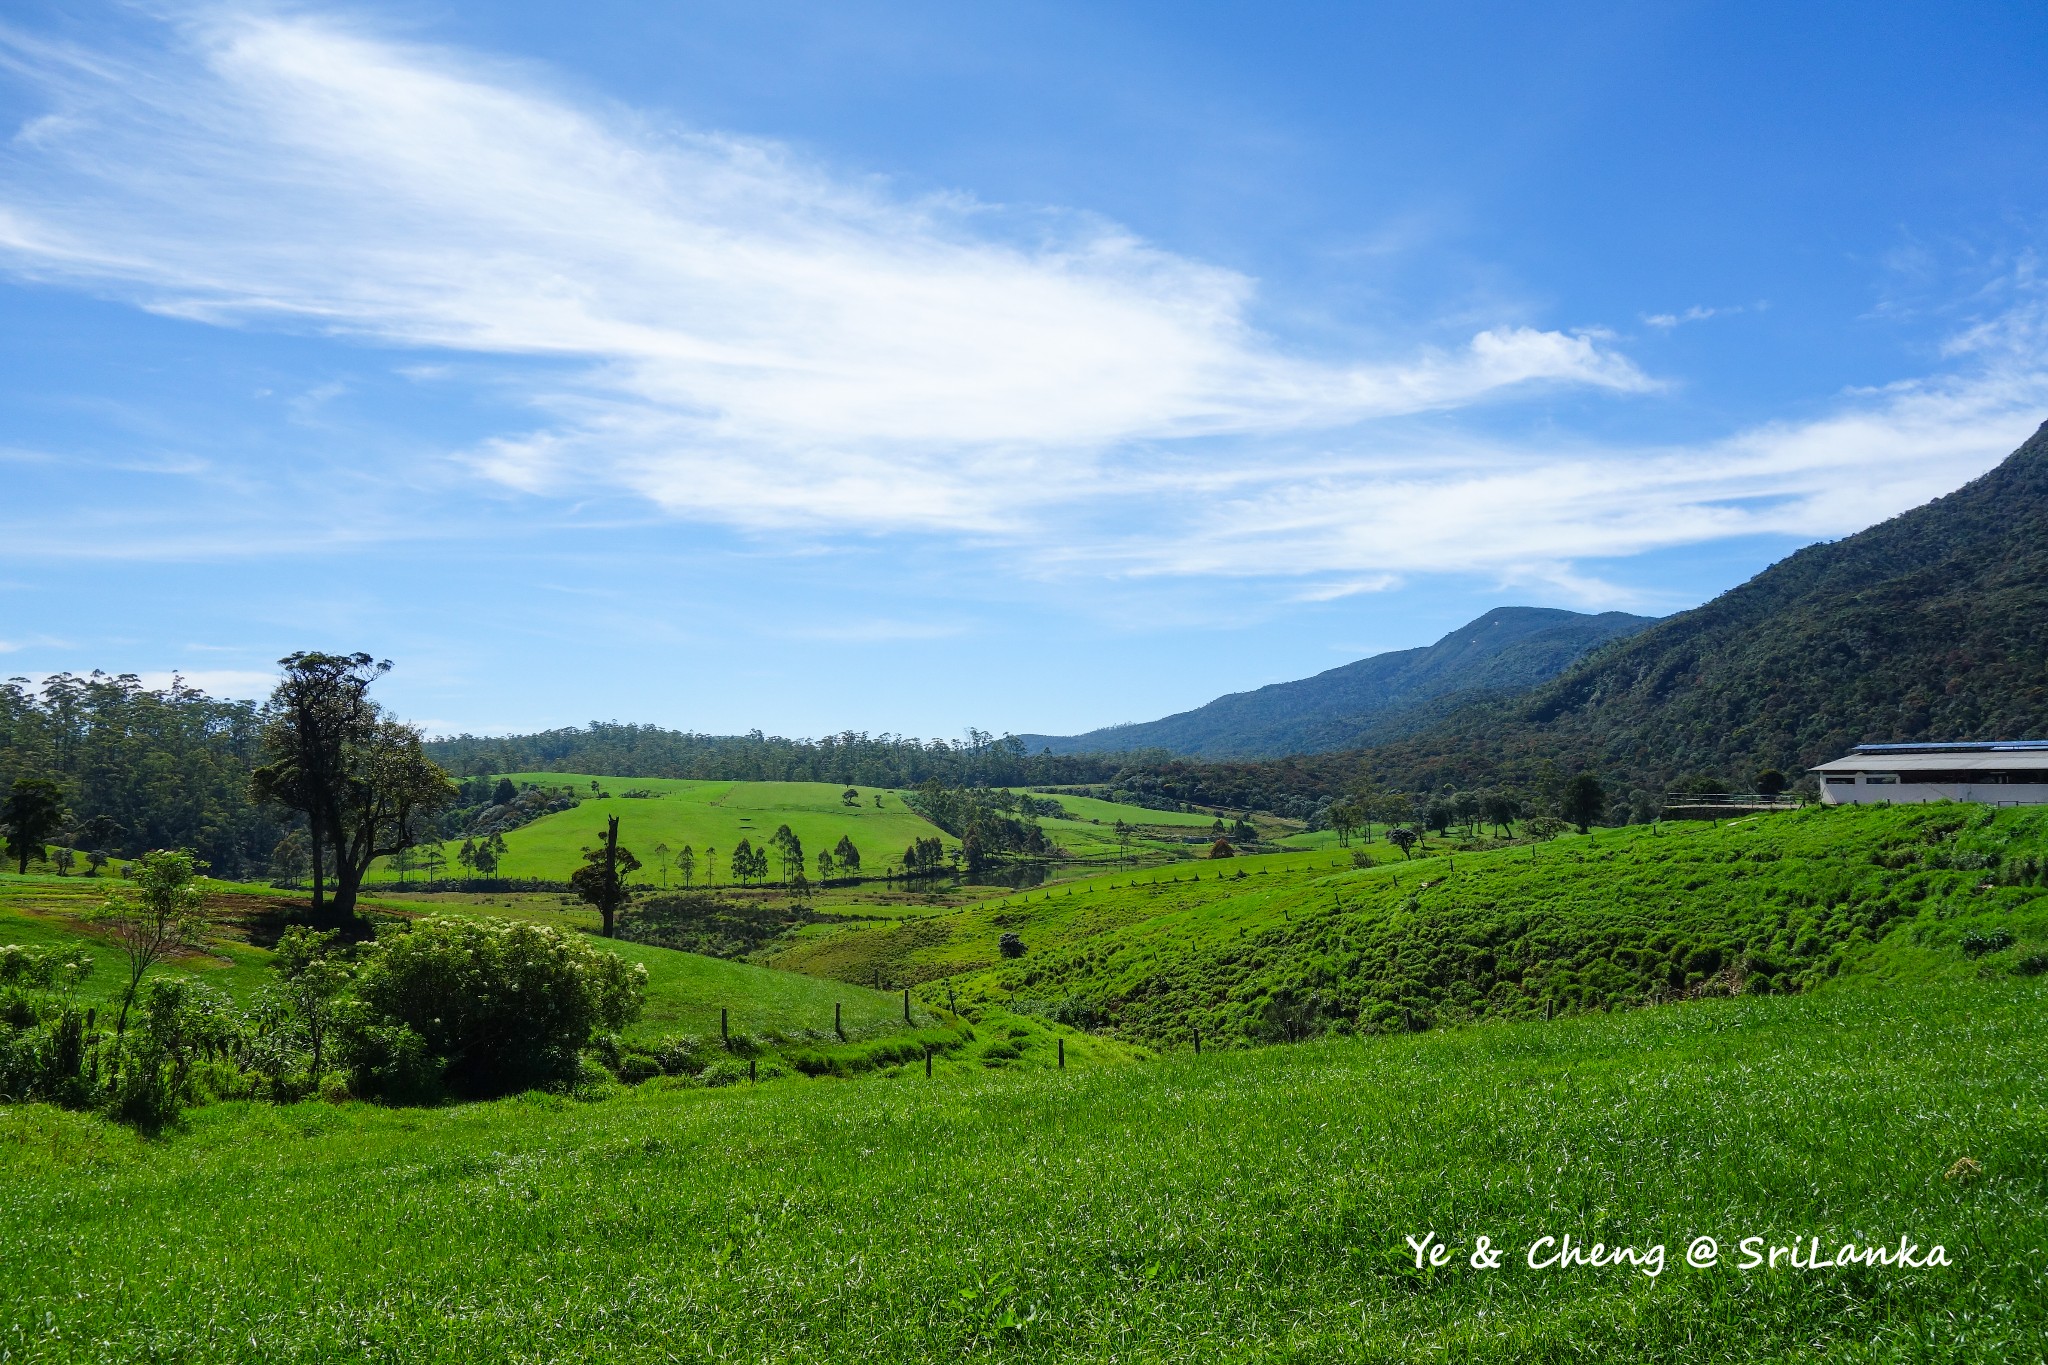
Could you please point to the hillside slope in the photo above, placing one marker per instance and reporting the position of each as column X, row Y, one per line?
column 1278, row 948
column 1508, row 650
column 1933, row 625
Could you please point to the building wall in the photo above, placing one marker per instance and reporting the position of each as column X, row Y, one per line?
column 1914, row 793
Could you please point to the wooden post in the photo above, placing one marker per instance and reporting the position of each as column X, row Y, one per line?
column 752, row 1075
column 724, row 1026
column 1063, row 1054
column 836, row 1026
column 951, row 1008
column 1198, row 1042
column 927, row 1063
column 1546, row 1007
column 906, row 1005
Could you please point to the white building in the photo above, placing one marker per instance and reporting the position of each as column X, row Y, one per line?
column 2002, row 772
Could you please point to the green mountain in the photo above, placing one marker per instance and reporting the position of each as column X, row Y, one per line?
column 1508, row 650
column 1930, row 626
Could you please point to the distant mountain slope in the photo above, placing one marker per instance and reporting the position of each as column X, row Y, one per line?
column 1510, row 649
column 1933, row 625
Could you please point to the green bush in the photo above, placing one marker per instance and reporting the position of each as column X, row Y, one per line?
column 497, row 1007
column 1978, row 942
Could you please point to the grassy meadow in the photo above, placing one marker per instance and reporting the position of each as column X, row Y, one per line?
column 1239, row 1206
column 717, row 815
column 702, row 815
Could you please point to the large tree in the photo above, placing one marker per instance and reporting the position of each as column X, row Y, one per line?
column 34, row 810
column 1582, row 801
column 601, row 881
column 362, row 780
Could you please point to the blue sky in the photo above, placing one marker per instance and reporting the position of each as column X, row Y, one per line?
column 1035, row 367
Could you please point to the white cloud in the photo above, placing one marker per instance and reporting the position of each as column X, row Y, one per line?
column 739, row 336
column 1527, row 511
column 1348, row 587
column 240, row 683
column 750, row 338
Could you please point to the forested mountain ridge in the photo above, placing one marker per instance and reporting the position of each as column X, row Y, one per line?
column 1508, row 650
column 1932, row 625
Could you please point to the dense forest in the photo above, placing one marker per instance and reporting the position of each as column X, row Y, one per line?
column 857, row 759
column 141, row 768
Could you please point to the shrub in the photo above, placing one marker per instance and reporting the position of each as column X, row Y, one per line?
column 1010, row 945
column 1978, row 942
column 2031, row 964
column 497, row 1007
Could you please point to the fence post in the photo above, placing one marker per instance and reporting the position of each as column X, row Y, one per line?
column 836, row 1026
column 927, row 1061
column 752, row 1075
column 1198, row 1042
column 724, row 1026
column 906, row 1005
column 1063, row 1054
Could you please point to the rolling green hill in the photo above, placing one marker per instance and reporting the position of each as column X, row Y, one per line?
column 703, row 815
column 1270, row 949
column 1850, row 1054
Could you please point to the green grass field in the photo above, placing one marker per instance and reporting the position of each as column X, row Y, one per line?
column 1812, row 1028
column 703, row 815
column 1245, row 1206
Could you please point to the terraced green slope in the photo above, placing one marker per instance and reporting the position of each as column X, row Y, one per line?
column 1296, row 946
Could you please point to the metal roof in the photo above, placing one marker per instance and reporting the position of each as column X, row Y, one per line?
column 2034, row 760
column 1963, row 746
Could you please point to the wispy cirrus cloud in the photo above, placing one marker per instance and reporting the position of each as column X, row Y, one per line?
column 734, row 334
column 748, row 337
column 1528, row 514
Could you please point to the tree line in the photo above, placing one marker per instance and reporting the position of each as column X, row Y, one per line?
column 854, row 758
column 114, row 768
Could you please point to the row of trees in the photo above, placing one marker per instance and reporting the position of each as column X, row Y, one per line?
column 1580, row 800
